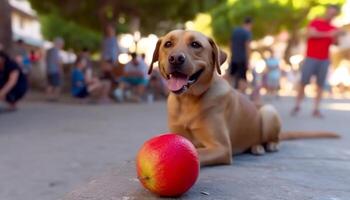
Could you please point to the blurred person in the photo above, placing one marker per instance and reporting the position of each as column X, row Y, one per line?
column 85, row 54
column 157, row 84
column 21, row 56
column 273, row 73
column 86, row 87
column 34, row 56
column 13, row 83
column 258, row 68
column 321, row 34
column 143, row 57
column 110, row 52
column 135, row 75
column 240, row 50
column 54, row 70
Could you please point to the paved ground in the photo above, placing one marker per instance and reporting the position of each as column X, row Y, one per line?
column 48, row 150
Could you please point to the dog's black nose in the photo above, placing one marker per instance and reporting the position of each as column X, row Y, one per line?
column 177, row 59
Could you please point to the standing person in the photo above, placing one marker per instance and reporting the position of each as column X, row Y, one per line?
column 110, row 52
column 321, row 34
column 240, row 42
column 13, row 83
column 54, row 70
column 273, row 73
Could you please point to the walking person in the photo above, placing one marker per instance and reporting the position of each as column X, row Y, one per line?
column 54, row 70
column 240, row 49
column 320, row 35
column 110, row 52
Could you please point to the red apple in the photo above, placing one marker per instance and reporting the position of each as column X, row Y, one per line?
column 167, row 165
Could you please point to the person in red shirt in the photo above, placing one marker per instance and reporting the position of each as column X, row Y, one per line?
column 320, row 35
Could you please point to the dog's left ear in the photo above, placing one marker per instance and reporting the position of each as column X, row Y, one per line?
column 155, row 57
column 219, row 57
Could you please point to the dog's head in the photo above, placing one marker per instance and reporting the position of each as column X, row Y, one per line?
column 187, row 60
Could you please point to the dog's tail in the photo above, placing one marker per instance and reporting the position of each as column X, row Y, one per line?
column 294, row 135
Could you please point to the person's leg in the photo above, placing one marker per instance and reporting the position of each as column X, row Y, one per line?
column 306, row 73
column 299, row 98
column 94, row 85
column 140, row 86
column 49, row 88
column 124, row 89
column 99, row 90
column 140, row 89
column 106, row 89
column 234, row 75
column 55, row 82
column 276, row 92
column 95, row 92
column 321, row 75
column 14, row 96
column 49, row 91
column 242, row 77
column 11, row 101
column 316, row 110
column 56, row 92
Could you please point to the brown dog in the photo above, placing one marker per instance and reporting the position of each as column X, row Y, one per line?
column 205, row 109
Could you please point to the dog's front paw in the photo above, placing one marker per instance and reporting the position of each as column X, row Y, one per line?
column 272, row 147
column 258, row 150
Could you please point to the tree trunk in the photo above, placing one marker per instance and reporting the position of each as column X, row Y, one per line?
column 5, row 26
column 294, row 37
column 292, row 41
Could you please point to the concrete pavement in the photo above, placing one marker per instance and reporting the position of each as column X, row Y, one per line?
column 48, row 150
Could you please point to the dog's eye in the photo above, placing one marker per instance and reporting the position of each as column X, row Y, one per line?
column 196, row 45
column 168, row 44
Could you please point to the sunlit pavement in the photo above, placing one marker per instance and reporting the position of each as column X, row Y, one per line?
column 50, row 149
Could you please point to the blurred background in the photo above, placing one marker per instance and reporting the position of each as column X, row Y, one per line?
column 71, row 55
column 278, row 24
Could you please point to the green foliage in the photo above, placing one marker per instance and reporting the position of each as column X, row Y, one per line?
column 270, row 16
column 75, row 36
column 80, row 22
column 70, row 10
column 155, row 16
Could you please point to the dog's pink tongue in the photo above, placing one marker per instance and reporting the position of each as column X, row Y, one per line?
column 175, row 83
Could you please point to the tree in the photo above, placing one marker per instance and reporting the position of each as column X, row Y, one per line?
column 153, row 16
column 76, row 37
column 270, row 17
column 88, row 17
column 5, row 25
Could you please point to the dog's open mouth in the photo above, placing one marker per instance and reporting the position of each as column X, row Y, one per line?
column 178, row 82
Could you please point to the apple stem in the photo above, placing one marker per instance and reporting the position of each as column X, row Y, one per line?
column 144, row 178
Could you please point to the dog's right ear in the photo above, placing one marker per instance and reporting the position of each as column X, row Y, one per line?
column 155, row 57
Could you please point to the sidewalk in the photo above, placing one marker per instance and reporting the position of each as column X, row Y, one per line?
column 51, row 149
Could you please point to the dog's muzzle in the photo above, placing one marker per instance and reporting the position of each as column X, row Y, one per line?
column 178, row 82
